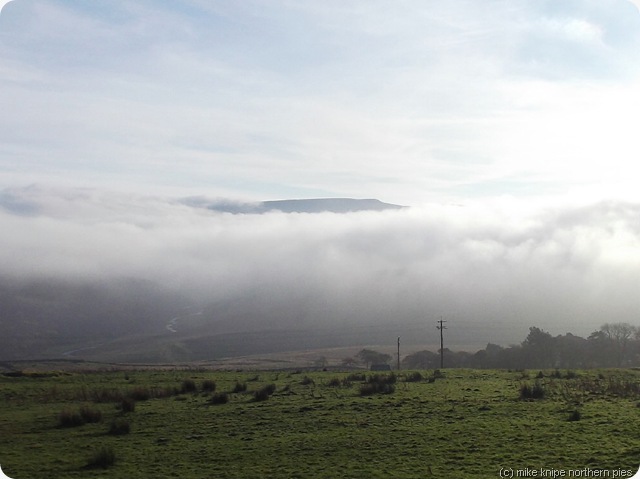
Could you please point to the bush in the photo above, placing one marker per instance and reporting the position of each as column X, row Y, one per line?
column 334, row 383
column 139, row 394
column 306, row 381
column 382, row 378
column 260, row 395
column 575, row 416
column 69, row 418
column 90, row 415
column 379, row 384
column 119, row 427
column 208, row 385
column 127, row 405
column 239, row 387
column 219, row 398
column 356, row 377
column 101, row 395
column 264, row 393
column 535, row 392
column 103, row 457
column 188, row 386
column 369, row 389
column 413, row 377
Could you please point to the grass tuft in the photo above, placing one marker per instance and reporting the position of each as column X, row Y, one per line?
column 239, row 387
column 69, row 418
column 188, row 386
column 208, row 385
column 536, row 391
column 219, row 398
column 119, row 427
column 104, row 457
column 263, row 393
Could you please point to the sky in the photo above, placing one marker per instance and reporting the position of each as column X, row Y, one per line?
column 509, row 127
column 409, row 102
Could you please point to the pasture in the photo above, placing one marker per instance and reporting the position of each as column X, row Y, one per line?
column 317, row 424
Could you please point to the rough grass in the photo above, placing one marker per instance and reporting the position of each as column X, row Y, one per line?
column 468, row 423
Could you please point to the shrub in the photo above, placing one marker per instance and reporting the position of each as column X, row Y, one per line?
column 575, row 416
column 356, row 377
column 127, row 405
column 208, row 385
column 378, row 384
column 382, row 378
column 239, row 387
column 103, row 457
column 188, row 386
column 263, row 394
column 90, row 415
column 260, row 395
column 346, row 383
column 413, row 377
column 535, row 392
column 139, row 394
column 119, row 427
column 69, row 418
column 306, row 381
column 371, row 388
column 100, row 395
column 334, row 382
column 219, row 398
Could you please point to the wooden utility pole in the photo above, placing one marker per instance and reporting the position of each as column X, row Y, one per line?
column 441, row 327
column 398, row 353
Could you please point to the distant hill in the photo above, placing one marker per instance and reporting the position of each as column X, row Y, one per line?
column 315, row 205
column 140, row 322
column 333, row 205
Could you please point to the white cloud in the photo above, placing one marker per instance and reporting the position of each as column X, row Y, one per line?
column 553, row 267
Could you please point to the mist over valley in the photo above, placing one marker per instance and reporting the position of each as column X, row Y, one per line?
column 95, row 274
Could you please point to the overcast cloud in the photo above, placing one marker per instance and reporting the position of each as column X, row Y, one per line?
column 510, row 127
column 409, row 102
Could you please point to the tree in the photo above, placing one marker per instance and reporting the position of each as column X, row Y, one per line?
column 619, row 335
column 571, row 351
column 539, row 348
column 370, row 357
column 348, row 362
column 421, row 360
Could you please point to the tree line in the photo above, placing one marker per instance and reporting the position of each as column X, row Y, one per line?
column 613, row 345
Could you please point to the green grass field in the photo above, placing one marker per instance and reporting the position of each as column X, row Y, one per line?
column 467, row 424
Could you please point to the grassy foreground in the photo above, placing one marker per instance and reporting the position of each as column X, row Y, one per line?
column 208, row 424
